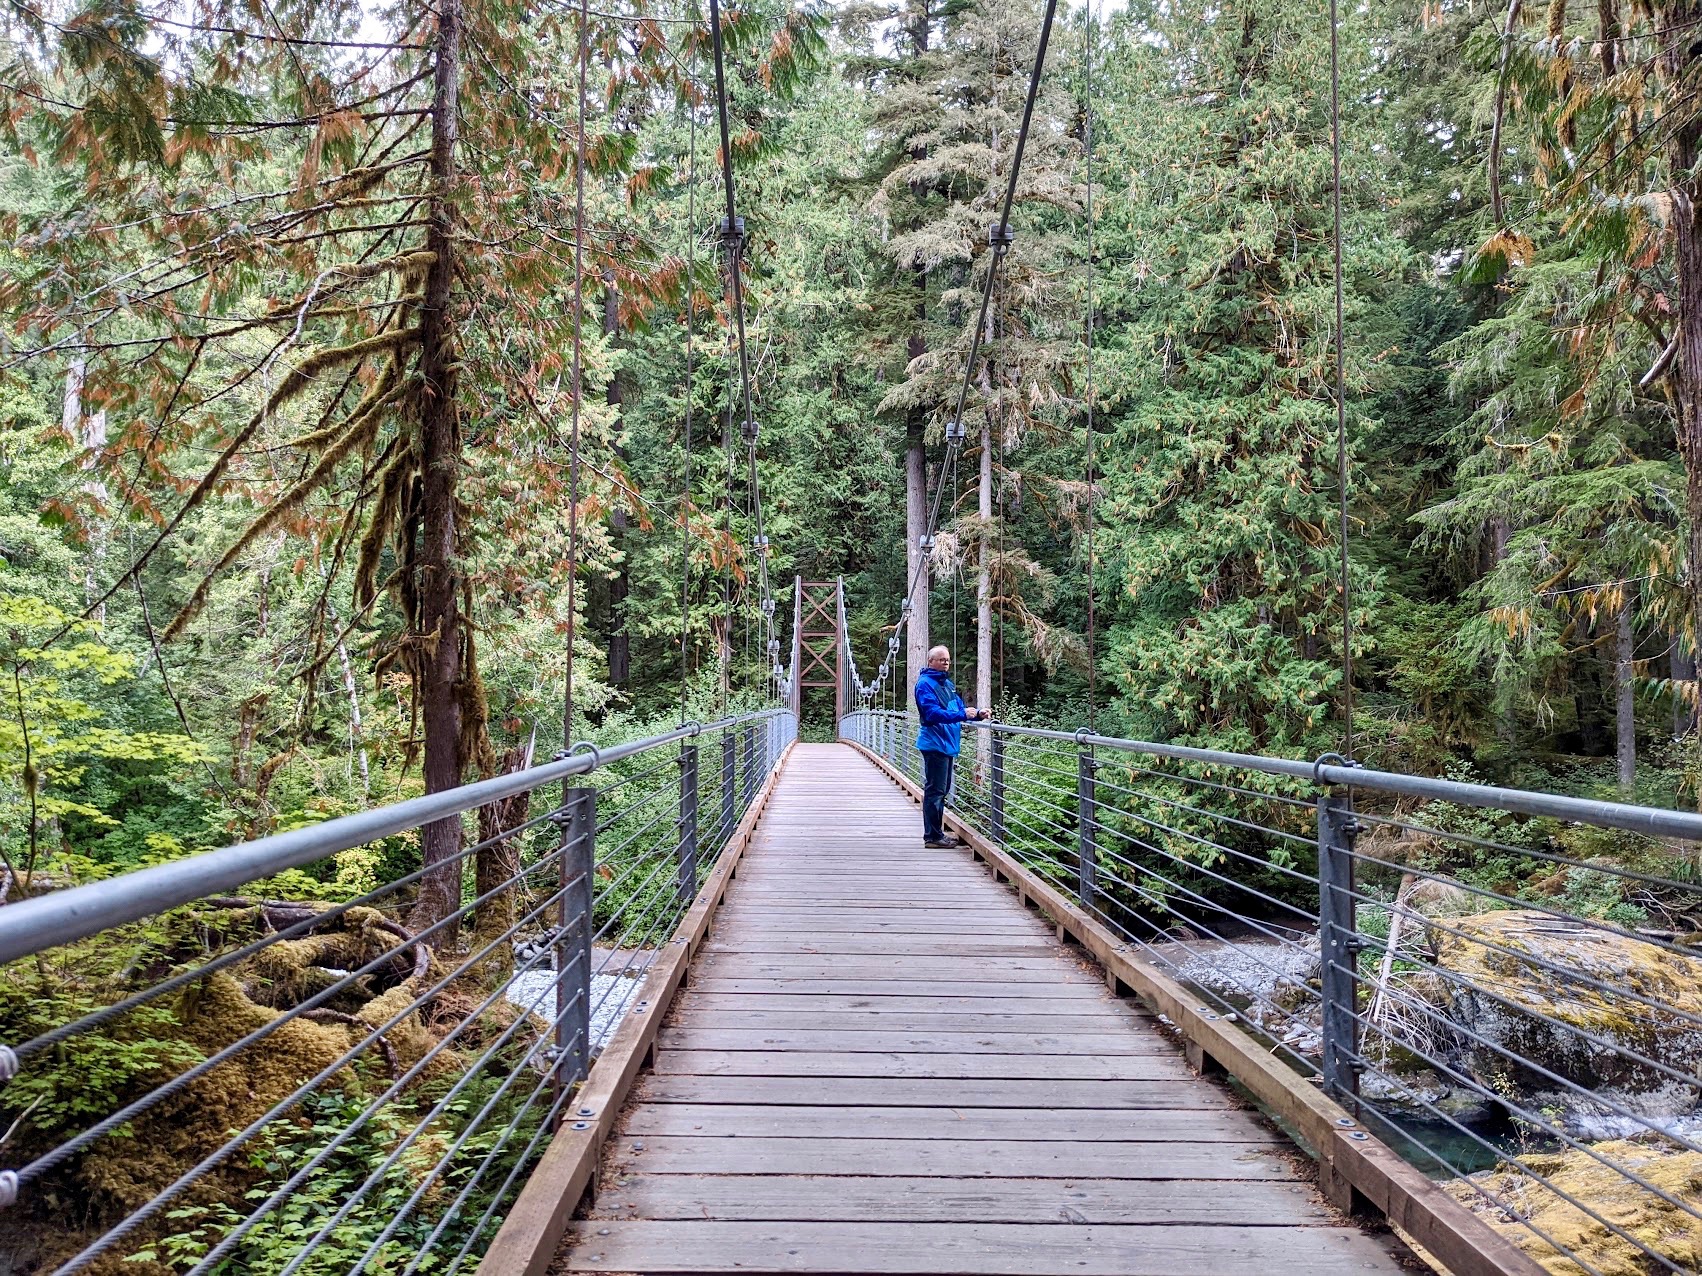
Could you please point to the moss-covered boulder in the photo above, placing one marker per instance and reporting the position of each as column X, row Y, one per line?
column 1571, row 1025
column 1508, row 1198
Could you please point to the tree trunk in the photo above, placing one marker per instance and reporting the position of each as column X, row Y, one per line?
column 1681, row 667
column 498, row 865
column 357, row 746
column 1625, row 699
column 438, row 584
column 90, row 433
column 917, row 567
column 1495, row 550
column 620, row 585
column 1590, row 700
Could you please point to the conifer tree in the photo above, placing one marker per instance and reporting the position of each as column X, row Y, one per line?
column 950, row 134
column 1219, row 529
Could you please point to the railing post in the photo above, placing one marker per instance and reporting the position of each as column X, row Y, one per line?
column 578, row 820
column 750, row 764
column 1338, row 944
column 996, row 792
column 688, row 824
column 727, row 760
column 1087, row 829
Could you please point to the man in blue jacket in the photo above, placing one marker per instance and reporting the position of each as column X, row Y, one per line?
column 942, row 711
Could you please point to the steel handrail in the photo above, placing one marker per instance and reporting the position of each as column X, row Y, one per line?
column 62, row 917
column 1652, row 821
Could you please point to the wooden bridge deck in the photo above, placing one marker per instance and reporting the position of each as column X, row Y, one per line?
column 884, row 1063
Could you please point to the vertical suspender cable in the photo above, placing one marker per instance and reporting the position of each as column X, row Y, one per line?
column 1341, row 378
column 1092, row 477
column 745, row 600
column 691, row 357
column 727, row 549
column 995, row 436
column 578, row 374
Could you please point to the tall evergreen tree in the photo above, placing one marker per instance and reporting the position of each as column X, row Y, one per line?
column 950, row 137
column 1219, row 541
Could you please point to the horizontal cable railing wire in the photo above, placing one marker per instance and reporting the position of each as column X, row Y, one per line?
column 195, row 1080
column 1505, row 985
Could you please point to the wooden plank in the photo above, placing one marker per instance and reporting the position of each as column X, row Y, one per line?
column 1000, row 1249
column 756, row 1120
column 982, row 898
column 943, row 922
column 692, row 1037
column 958, row 934
column 1093, row 1005
column 769, row 1198
column 986, row 1020
column 1178, row 1091
column 1044, row 970
column 812, row 1063
column 1071, row 992
column 949, row 1158
column 879, row 945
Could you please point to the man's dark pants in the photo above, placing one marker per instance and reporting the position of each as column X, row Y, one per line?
column 936, row 783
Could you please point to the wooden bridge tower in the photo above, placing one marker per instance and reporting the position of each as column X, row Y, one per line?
column 818, row 641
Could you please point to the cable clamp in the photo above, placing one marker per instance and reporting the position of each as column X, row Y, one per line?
column 732, row 230
column 749, row 429
column 8, row 1188
column 925, row 544
column 954, row 430
column 760, row 544
column 1331, row 759
column 1000, row 237
column 8, row 1064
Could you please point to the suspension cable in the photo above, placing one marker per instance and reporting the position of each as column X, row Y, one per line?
column 1341, row 377
column 1092, row 477
column 691, row 368
column 1000, row 237
column 578, row 374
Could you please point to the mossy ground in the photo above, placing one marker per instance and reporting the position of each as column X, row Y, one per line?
column 1639, row 1213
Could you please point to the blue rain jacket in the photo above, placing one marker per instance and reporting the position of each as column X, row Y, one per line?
column 941, row 710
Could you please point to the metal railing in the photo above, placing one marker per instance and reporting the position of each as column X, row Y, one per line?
column 193, row 1081
column 1506, row 985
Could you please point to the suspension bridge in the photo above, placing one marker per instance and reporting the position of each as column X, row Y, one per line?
column 724, row 1012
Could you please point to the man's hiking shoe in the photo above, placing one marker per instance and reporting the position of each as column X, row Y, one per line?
column 944, row 844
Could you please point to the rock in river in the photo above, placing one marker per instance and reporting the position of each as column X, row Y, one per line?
column 1510, row 993
column 1512, row 1201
